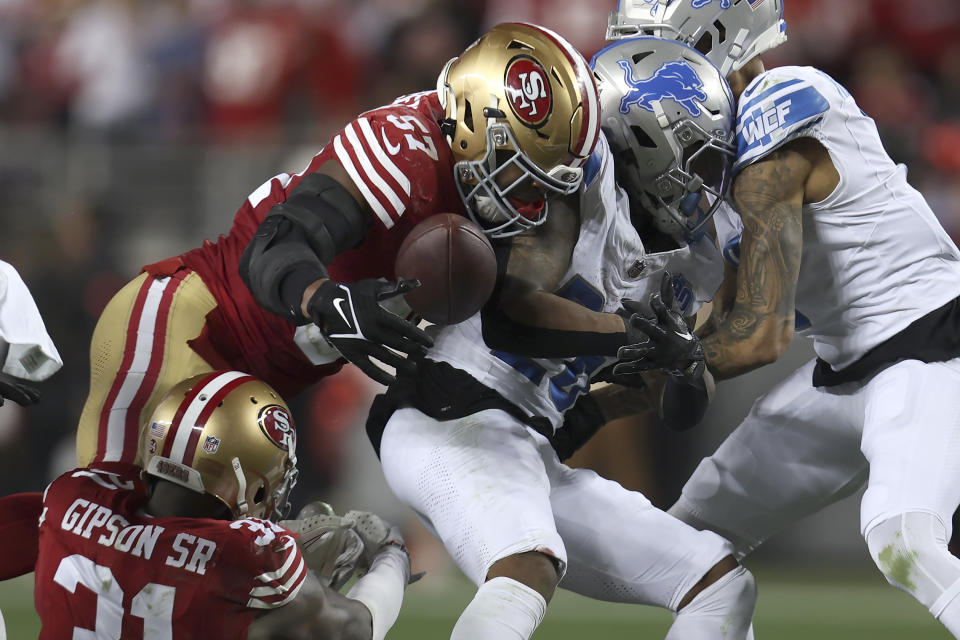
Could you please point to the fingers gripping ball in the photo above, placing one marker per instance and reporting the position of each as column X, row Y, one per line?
column 455, row 265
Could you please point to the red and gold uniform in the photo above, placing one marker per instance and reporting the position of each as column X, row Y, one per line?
column 107, row 570
column 193, row 313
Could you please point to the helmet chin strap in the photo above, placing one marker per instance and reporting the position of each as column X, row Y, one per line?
column 241, row 487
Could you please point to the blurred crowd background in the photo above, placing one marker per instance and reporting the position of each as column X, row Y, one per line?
column 132, row 130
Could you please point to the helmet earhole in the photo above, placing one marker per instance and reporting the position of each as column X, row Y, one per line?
column 704, row 44
column 257, row 499
column 721, row 32
column 468, row 116
column 463, row 144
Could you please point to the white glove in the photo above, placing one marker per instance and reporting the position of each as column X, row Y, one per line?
column 375, row 533
column 329, row 544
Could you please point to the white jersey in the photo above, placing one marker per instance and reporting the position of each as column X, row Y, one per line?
column 874, row 258
column 608, row 264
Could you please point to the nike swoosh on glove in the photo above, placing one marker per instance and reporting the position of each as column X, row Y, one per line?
column 352, row 319
column 667, row 343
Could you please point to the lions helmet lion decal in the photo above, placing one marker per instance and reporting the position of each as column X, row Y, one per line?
column 674, row 80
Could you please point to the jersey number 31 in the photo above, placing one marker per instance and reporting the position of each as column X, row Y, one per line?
column 153, row 603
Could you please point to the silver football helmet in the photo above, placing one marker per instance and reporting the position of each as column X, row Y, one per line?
column 728, row 32
column 667, row 113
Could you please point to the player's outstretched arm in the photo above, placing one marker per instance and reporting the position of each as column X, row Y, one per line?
column 317, row 612
column 366, row 613
column 769, row 196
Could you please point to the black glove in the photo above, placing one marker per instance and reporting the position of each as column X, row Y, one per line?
column 684, row 403
column 667, row 342
column 17, row 390
column 632, row 379
column 351, row 318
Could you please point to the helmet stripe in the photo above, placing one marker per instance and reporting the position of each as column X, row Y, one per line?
column 190, row 409
column 590, row 131
column 211, row 406
column 181, row 409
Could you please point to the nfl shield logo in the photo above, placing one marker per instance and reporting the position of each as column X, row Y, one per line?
column 211, row 444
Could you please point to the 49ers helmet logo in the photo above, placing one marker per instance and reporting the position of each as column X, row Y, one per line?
column 528, row 91
column 277, row 425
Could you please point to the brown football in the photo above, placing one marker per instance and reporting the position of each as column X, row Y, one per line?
column 455, row 265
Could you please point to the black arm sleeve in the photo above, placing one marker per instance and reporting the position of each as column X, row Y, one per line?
column 506, row 334
column 298, row 238
column 503, row 333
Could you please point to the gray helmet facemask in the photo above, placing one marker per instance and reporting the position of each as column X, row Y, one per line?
column 667, row 113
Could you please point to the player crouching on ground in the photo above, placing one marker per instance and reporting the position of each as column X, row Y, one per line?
column 189, row 546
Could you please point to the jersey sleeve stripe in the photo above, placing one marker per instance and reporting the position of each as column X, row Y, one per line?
column 383, row 156
column 767, row 122
column 748, row 100
column 280, row 599
column 276, row 593
column 273, row 589
column 274, row 576
column 371, row 199
column 373, row 172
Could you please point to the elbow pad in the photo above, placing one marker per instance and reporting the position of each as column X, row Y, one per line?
column 279, row 249
column 297, row 239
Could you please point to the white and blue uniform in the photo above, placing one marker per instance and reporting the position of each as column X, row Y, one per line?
column 490, row 487
column 874, row 260
column 608, row 265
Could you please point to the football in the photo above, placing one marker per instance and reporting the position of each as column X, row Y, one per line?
column 455, row 265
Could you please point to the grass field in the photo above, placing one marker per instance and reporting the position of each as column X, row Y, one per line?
column 791, row 607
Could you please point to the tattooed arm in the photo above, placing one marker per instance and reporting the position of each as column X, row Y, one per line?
column 759, row 326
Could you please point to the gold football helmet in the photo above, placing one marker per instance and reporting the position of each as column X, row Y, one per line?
column 229, row 435
column 521, row 96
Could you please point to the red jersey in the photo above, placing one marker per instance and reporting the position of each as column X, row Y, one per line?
column 403, row 166
column 106, row 567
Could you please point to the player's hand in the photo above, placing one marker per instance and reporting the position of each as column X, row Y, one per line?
column 17, row 390
column 683, row 403
column 377, row 535
column 330, row 545
column 352, row 319
column 665, row 342
column 374, row 531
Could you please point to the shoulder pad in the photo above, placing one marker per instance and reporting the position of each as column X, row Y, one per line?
column 773, row 109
